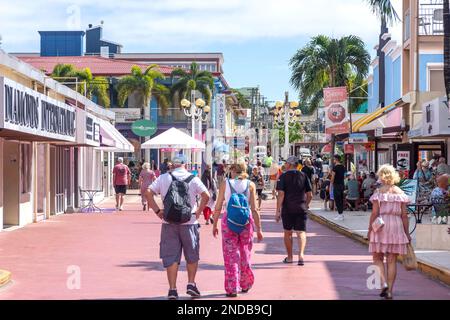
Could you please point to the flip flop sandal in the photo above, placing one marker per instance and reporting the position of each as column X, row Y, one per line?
column 286, row 260
column 301, row 263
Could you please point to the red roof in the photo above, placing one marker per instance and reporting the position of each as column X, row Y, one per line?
column 99, row 66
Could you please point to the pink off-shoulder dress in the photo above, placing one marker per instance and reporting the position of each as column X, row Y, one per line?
column 391, row 238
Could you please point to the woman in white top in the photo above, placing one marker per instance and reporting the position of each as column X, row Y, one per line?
column 237, row 247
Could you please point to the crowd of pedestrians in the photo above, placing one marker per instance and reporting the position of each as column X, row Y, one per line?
column 232, row 195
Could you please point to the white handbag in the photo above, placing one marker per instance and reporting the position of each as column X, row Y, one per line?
column 377, row 224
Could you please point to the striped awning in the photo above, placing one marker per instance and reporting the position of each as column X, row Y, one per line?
column 358, row 124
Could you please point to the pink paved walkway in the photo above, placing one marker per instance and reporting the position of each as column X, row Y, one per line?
column 118, row 258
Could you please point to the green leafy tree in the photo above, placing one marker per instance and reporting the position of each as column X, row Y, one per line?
column 98, row 86
column 187, row 81
column 141, row 83
column 327, row 62
column 385, row 10
column 295, row 133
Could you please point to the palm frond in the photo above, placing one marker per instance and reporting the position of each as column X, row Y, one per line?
column 385, row 10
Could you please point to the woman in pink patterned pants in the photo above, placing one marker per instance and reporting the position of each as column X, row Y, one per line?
column 236, row 247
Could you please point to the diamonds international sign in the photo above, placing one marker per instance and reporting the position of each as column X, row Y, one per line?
column 25, row 110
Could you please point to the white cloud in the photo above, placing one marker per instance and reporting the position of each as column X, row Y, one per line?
column 181, row 24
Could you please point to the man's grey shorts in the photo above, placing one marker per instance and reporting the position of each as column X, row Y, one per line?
column 175, row 238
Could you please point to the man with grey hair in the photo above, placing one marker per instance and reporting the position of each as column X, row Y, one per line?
column 294, row 196
column 121, row 179
column 443, row 167
column 178, row 237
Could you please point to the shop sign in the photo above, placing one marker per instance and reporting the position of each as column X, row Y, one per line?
column 336, row 110
column 92, row 128
column 88, row 129
column 25, row 110
column 378, row 132
column 358, row 138
column 349, row 149
column 403, row 160
column 370, row 146
column 126, row 115
column 144, row 128
column 435, row 118
column 221, row 114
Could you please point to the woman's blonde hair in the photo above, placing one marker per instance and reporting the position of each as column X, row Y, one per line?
column 146, row 166
column 241, row 170
column 388, row 175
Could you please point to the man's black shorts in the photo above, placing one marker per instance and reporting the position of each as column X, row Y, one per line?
column 294, row 221
column 120, row 189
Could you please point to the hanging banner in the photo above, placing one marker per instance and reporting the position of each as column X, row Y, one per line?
column 336, row 110
column 221, row 114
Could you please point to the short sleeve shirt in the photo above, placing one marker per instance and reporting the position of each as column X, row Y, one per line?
column 339, row 177
column 196, row 187
column 121, row 173
column 295, row 185
column 147, row 178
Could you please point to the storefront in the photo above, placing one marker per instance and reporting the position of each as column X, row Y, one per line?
column 430, row 136
column 49, row 147
column 29, row 123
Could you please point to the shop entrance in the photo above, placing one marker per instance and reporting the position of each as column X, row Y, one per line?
column 59, row 177
column 11, row 179
column 41, row 185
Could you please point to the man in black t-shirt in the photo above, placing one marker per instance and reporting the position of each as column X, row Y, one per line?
column 294, row 197
column 337, row 180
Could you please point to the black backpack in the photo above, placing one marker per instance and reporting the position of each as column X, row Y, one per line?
column 177, row 205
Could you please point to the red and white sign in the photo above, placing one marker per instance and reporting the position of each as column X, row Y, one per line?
column 336, row 110
column 349, row 149
column 326, row 149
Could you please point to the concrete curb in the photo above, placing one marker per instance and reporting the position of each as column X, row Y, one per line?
column 426, row 268
column 5, row 277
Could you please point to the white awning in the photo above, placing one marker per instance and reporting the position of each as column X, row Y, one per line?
column 112, row 140
column 173, row 138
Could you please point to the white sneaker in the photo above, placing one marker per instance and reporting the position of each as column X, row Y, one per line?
column 120, row 209
column 444, row 220
column 340, row 217
column 336, row 217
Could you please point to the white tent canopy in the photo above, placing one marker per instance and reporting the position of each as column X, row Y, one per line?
column 173, row 138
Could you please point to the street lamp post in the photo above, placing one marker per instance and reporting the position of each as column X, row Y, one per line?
column 288, row 113
column 197, row 110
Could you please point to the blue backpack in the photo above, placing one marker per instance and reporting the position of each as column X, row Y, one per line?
column 238, row 210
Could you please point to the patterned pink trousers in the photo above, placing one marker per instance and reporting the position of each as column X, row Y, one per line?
column 237, row 250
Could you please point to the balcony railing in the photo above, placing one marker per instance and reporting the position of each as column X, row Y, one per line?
column 431, row 17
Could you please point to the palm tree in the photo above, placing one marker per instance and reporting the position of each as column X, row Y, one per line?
column 97, row 86
column 447, row 47
column 385, row 10
column 327, row 62
column 142, row 84
column 194, row 79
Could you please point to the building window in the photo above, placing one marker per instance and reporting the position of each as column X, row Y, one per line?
column 25, row 168
column 436, row 78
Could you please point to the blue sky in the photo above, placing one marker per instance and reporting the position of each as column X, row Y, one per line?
column 257, row 37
